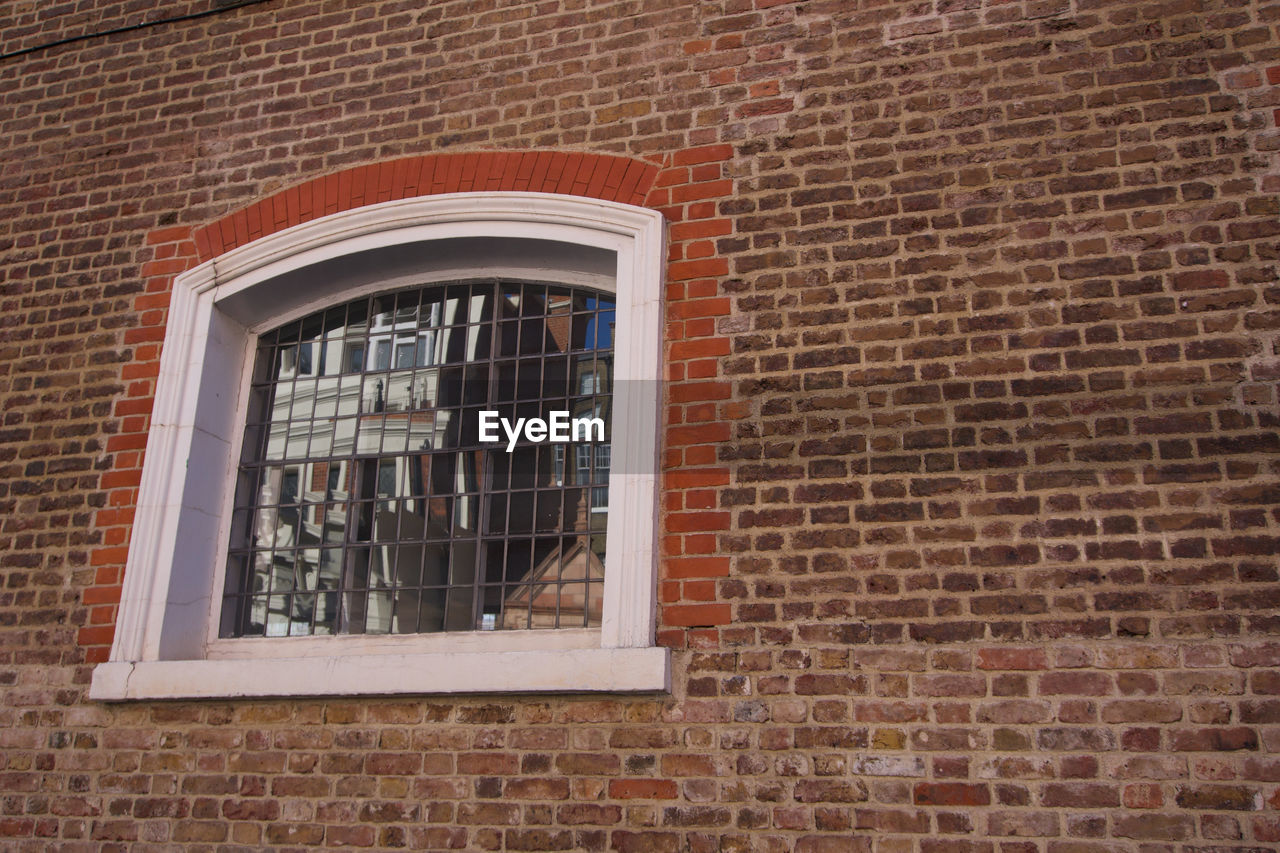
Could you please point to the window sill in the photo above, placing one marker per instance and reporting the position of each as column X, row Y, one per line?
column 629, row 670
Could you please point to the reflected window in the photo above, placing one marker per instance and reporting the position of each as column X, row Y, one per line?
column 366, row 503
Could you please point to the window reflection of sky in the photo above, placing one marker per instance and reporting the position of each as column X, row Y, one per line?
column 601, row 323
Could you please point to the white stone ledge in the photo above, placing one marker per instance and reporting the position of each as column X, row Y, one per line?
column 639, row 670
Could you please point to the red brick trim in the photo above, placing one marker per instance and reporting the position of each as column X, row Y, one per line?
column 688, row 189
column 692, row 591
column 602, row 176
column 171, row 251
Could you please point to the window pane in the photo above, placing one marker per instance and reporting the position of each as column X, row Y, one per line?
column 368, row 503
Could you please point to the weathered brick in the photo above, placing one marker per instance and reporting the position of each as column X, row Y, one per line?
column 1157, row 827
column 968, row 476
column 1080, row 795
column 951, row 794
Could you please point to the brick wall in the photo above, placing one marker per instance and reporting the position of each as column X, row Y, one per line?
column 970, row 492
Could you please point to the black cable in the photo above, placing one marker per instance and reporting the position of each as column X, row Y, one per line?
column 239, row 4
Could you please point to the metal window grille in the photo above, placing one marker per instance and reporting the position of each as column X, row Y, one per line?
column 366, row 502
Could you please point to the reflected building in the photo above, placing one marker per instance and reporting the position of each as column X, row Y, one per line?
column 366, row 502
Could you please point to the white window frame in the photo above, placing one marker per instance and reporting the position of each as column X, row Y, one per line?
column 166, row 644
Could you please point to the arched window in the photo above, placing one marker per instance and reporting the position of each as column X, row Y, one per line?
column 355, row 481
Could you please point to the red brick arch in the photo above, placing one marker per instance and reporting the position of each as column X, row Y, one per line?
column 602, row 176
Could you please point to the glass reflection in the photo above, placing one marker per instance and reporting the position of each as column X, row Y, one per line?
column 369, row 504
